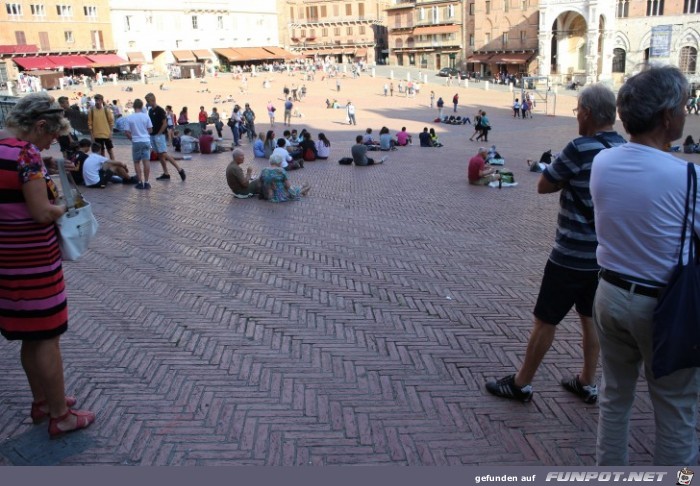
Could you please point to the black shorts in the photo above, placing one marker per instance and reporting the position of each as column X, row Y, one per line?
column 563, row 288
column 105, row 143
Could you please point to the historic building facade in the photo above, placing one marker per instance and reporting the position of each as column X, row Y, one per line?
column 427, row 34
column 42, row 36
column 341, row 30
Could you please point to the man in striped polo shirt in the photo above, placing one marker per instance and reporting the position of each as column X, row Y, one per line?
column 571, row 274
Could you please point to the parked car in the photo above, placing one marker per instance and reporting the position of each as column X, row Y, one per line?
column 448, row 71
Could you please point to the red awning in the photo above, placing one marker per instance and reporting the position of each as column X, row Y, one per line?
column 70, row 62
column 482, row 58
column 29, row 63
column 107, row 60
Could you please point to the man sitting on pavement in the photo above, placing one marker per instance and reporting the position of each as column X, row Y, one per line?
column 98, row 170
column 478, row 172
column 289, row 162
column 359, row 154
column 241, row 184
column 188, row 144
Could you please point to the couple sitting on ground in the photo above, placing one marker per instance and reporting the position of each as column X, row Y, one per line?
column 429, row 138
column 272, row 185
column 386, row 142
column 205, row 144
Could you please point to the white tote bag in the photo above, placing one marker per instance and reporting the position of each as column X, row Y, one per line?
column 77, row 227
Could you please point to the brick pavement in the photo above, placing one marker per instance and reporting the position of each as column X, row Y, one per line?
column 355, row 327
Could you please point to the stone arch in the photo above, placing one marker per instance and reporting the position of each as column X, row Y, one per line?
column 689, row 37
column 622, row 41
column 569, row 43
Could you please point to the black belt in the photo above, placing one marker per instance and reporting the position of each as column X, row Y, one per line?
column 618, row 281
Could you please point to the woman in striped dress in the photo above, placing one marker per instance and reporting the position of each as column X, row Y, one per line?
column 32, row 290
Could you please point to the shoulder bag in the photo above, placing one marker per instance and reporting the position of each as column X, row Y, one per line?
column 77, row 227
column 676, row 333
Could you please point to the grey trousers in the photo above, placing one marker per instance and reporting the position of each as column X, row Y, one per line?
column 624, row 324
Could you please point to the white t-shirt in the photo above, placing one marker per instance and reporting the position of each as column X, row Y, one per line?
column 188, row 144
column 139, row 123
column 91, row 168
column 284, row 153
column 639, row 198
column 322, row 150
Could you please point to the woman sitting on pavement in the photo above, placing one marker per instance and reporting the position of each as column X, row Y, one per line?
column 323, row 147
column 270, row 144
column 385, row 140
column 434, row 140
column 308, row 148
column 275, row 185
column 259, row 146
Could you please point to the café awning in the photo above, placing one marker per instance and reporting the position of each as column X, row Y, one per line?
column 436, row 29
column 255, row 53
column 482, row 58
column 136, row 57
column 32, row 63
column 280, row 53
column 361, row 53
column 71, row 62
column 514, row 58
column 230, row 54
column 106, row 60
column 202, row 54
column 184, row 56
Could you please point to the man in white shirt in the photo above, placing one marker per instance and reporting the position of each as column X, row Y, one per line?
column 139, row 132
column 188, row 143
column 98, row 170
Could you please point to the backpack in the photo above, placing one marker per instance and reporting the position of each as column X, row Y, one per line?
column 345, row 161
column 309, row 154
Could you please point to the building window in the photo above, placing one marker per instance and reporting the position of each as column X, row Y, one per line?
column 220, row 22
column 127, row 23
column 623, row 9
column 450, row 11
column 348, row 9
column 361, row 10
column 655, row 7
column 619, row 58
column 97, row 38
column 421, row 13
column 336, row 31
column 505, row 5
column 312, row 34
column 362, row 30
column 688, row 60
column 471, row 9
column 195, row 22
column 90, row 12
column 471, row 41
column 487, row 38
column 65, row 11
column 20, row 38
column 303, row 34
column 324, row 13
column 525, row 4
column 691, row 6
column 38, row 10
column 68, row 36
column 291, row 14
column 348, row 31
column 504, row 39
column 336, row 10
column 487, row 6
column 436, row 15
column 14, row 9
column 324, row 32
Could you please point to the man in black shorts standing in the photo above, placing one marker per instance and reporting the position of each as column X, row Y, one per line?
column 158, row 138
column 571, row 274
column 101, row 124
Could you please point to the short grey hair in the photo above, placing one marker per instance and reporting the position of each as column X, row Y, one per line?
column 600, row 101
column 276, row 159
column 645, row 95
column 482, row 150
column 34, row 107
column 238, row 153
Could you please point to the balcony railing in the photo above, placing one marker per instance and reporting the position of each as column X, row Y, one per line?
column 335, row 20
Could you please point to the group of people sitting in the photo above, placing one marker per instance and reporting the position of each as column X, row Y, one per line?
column 690, row 147
column 386, row 142
column 454, row 120
column 295, row 148
column 205, row 144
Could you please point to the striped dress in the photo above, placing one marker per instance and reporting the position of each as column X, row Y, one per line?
column 32, row 290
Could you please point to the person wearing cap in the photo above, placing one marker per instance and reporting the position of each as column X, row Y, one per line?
column 478, row 172
column 101, row 124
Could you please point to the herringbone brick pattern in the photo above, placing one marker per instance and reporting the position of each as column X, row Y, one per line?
column 355, row 327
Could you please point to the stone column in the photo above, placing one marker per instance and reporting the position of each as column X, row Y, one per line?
column 544, row 56
column 608, row 39
column 592, row 54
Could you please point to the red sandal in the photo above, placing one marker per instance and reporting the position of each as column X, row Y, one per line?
column 38, row 415
column 83, row 419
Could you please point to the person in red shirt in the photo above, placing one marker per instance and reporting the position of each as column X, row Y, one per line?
column 203, row 119
column 478, row 172
column 206, row 142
